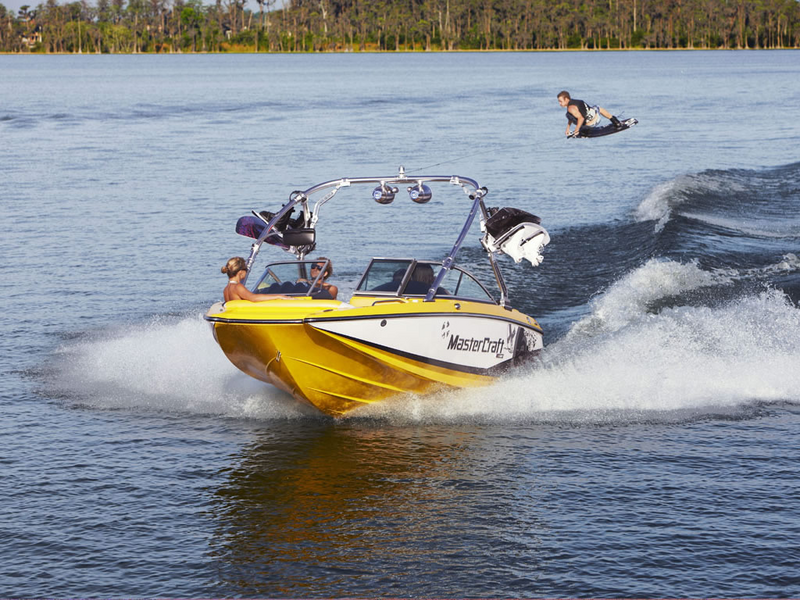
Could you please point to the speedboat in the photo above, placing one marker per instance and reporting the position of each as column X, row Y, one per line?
column 410, row 326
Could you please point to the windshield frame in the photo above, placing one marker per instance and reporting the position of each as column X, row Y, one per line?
column 303, row 267
column 400, row 292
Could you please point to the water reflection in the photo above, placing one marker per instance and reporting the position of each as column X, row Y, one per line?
column 343, row 509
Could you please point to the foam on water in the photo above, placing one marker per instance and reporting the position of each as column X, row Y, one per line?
column 630, row 297
column 166, row 364
column 666, row 197
column 757, row 203
column 621, row 362
column 625, row 363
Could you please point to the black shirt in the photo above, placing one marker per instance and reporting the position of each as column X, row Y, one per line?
column 582, row 108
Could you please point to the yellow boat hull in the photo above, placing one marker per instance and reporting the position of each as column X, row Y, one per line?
column 338, row 357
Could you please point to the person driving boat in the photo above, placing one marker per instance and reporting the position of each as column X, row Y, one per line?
column 322, row 285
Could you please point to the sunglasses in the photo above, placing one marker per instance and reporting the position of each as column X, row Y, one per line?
column 317, row 267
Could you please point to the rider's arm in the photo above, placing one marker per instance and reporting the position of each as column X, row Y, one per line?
column 244, row 294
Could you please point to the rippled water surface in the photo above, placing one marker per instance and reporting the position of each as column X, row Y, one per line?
column 652, row 453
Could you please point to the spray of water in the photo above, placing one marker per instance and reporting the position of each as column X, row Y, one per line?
column 166, row 364
column 752, row 203
column 625, row 363
column 621, row 362
column 630, row 297
column 666, row 197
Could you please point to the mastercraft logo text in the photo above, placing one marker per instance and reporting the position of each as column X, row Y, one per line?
column 483, row 345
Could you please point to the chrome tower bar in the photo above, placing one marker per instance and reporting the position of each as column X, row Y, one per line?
column 476, row 194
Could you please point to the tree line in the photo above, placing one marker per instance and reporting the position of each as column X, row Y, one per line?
column 133, row 26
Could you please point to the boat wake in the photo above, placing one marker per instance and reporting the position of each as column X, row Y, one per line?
column 695, row 317
column 625, row 363
column 621, row 363
column 759, row 202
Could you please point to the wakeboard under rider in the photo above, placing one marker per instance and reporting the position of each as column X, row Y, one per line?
column 586, row 117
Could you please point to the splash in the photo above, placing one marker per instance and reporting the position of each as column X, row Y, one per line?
column 681, row 364
column 631, row 296
column 623, row 362
column 168, row 365
column 688, row 357
column 666, row 197
column 756, row 203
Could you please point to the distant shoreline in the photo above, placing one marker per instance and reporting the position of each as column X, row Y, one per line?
column 394, row 26
column 401, row 52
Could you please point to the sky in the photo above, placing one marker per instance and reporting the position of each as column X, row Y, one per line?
column 14, row 5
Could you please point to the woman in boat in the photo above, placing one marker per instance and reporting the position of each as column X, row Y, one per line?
column 423, row 273
column 323, row 286
column 421, row 280
column 236, row 270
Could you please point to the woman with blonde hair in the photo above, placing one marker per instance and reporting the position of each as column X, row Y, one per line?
column 236, row 270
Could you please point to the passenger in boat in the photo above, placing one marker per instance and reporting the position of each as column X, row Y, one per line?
column 421, row 280
column 236, row 270
column 423, row 274
column 323, row 288
column 581, row 114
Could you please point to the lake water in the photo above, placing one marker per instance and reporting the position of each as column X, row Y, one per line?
column 653, row 452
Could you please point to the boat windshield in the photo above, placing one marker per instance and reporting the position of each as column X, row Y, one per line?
column 291, row 278
column 408, row 277
column 384, row 275
column 461, row 284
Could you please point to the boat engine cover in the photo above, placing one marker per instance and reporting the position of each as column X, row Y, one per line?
column 503, row 220
column 527, row 242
